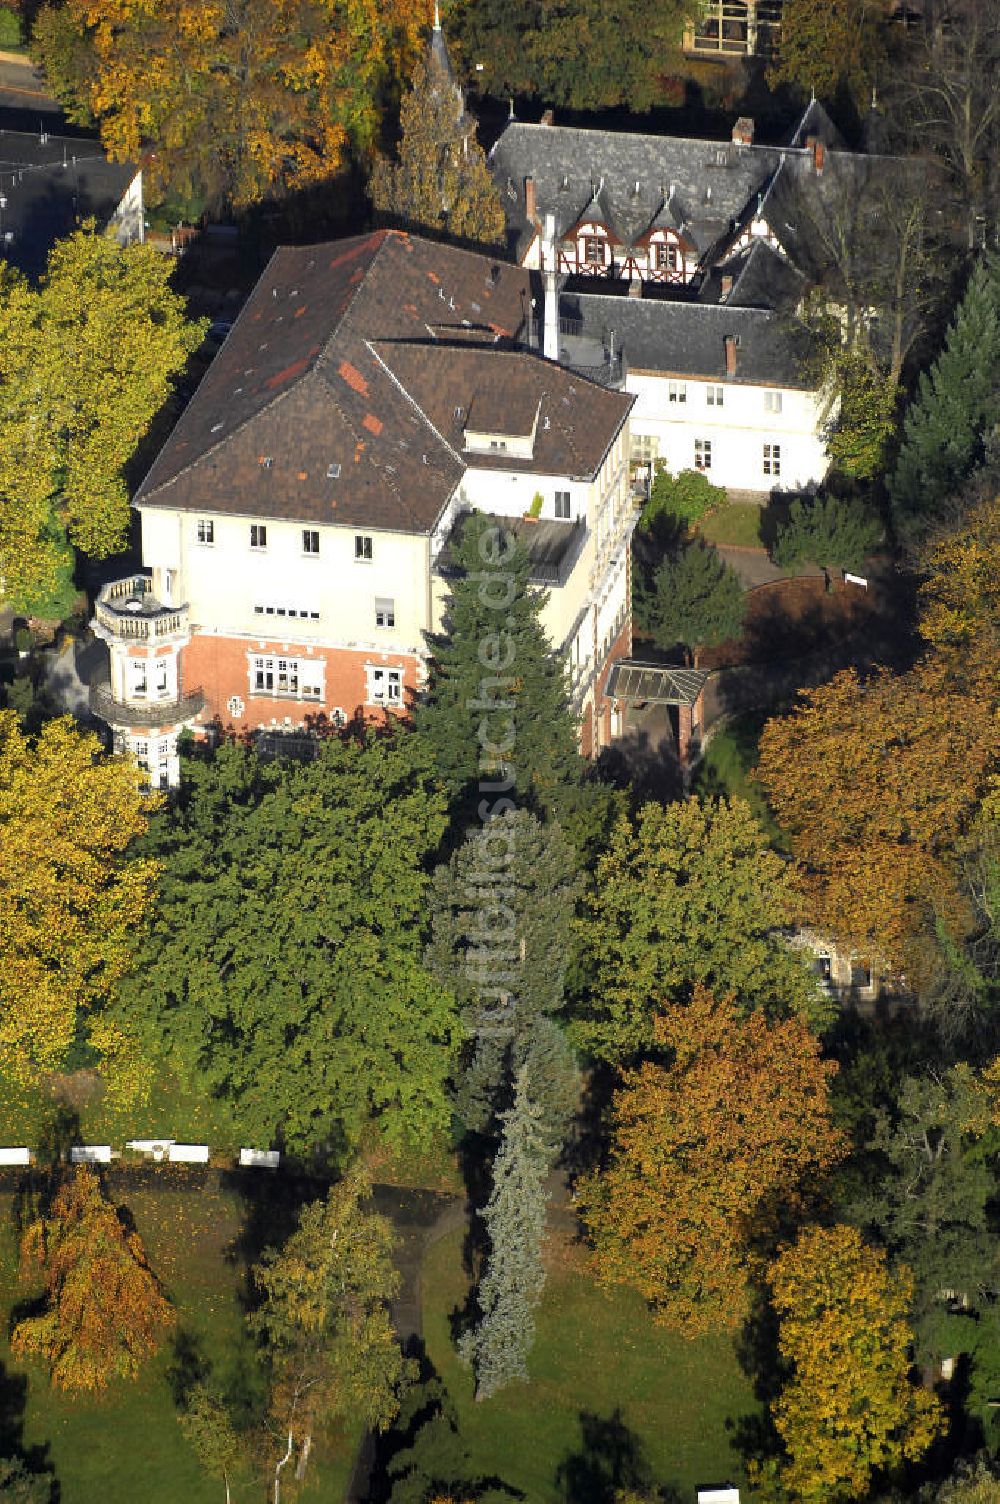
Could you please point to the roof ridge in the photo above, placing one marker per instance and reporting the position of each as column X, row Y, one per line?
column 409, row 397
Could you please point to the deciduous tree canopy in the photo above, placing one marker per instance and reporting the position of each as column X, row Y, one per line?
column 703, row 1153
column 850, row 1407
column 242, row 98
column 71, row 906
column 689, row 893
column 105, row 1311
column 874, row 781
column 86, row 361
column 284, row 968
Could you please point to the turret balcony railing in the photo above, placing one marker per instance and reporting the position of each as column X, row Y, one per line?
column 127, row 611
column 151, row 713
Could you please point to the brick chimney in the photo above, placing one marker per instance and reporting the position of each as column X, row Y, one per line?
column 530, row 202
column 743, row 131
column 816, row 146
column 730, row 355
column 548, row 118
column 727, row 287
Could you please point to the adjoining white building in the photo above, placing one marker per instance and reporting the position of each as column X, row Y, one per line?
column 295, row 523
column 679, row 268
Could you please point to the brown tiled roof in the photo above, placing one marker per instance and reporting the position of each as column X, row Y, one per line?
column 503, row 389
column 297, row 390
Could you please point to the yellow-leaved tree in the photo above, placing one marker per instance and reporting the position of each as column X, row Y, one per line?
column 242, row 98
column 86, row 361
column 71, row 904
column 851, row 1407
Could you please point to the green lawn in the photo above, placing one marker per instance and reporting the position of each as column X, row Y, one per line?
column 737, row 525
column 128, row 1446
column 725, row 770
column 605, row 1383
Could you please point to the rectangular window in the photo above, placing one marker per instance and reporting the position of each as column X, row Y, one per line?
column 138, row 684
column 677, row 391
column 500, row 444
column 562, row 504
column 291, row 678
column 362, row 548
column 667, row 258
column 715, row 396
column 385, row 612
column 772, row 459
column 310, row 541
column 645, row 448
column 384, row 686
column 593, row 250
column 703, row 454
column 205, row 530
column 772, row 402
column 162, row 690
column 303, row 612
column 258, row 535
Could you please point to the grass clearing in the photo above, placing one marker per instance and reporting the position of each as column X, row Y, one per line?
column 609, row 1393
column 725, row 769
column 736, row 525
column 128, row 1445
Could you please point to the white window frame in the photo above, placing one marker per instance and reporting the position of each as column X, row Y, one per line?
column 563, row 502
column 715, row 396
column 772, row 402
column 204, row 532
column 383, row 685
column 258, row 536
column 703, row 454
column 138, row 679
column 283, row 676
column 364, row 548
column 772, row 459
column 677, row 391
column 310, row 542
column 385, row 611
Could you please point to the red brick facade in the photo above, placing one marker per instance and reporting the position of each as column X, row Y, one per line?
column 595, row 732
column 222, row 668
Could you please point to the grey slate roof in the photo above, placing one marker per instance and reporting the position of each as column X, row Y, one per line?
column 50, row 187
column 763, row 278
column 712, row 181
column 816, row 122
column 688, row 339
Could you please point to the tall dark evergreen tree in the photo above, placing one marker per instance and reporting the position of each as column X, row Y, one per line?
column 502, row 933
column 956, row 408
column 696, row 600
column 833, row 532
column 496, row 711
column 499, row 1344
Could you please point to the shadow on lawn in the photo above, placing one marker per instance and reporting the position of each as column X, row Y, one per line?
column 35, row 1460
column 610, row 1458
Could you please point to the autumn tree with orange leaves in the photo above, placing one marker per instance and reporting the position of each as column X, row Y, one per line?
column 706, row 1155
column 240, row 99
column 850, row 1407
column 105, row 1312
column 875, row 781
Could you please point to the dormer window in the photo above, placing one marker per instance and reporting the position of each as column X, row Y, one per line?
column 593, row 250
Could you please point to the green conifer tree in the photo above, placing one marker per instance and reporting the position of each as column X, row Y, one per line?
column 696, row 600
column 502, row 932
column 498, row 1346
column 955, row 410
column 496, row 710
column 830, row 531
column 441, row 181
